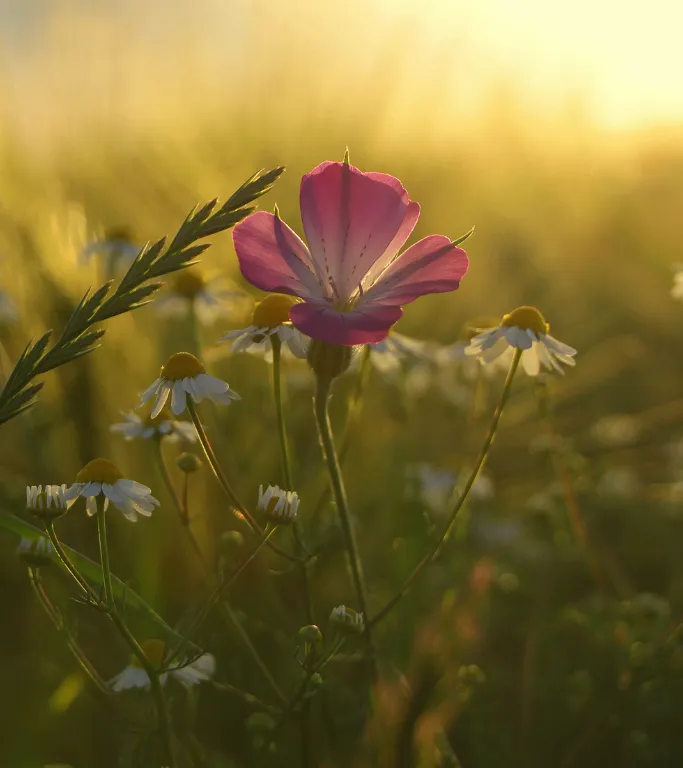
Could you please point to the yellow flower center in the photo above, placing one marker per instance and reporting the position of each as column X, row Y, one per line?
column 154, row 651
column 273, row 310
column 188, row 283
column 99, row 471
column 526, row 318
column 182, row 365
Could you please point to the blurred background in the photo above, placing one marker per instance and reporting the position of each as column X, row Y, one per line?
column 547, row 635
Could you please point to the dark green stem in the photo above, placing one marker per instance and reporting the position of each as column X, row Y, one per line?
column 322, row 418
column 462, row 498
column 56, row 618
column 287, row 472
column 104, row 555
column 225, row 483
column 68, row 565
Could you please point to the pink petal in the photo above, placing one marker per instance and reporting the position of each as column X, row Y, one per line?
column 273, row 257
column 432, row 265
column 350, row 219
column 362, row 325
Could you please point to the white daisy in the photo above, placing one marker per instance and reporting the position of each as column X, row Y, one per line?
column 270, row 316
column 435, row 486
column 388, row 355
column 347, row 619
column 134, row 676
column 101, row 476
column 209, row 299
column 160, row 426
column 50, row 500
column 524, row 328
column 280, row 505
column 115, row 246
column 184, row 375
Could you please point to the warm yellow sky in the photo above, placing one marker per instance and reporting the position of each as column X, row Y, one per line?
column 620, row 60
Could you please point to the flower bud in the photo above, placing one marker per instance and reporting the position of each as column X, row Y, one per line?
column 36, row 553
column 311, row 635
column 188, row 463
column 231, row 541
column 347, row 620
column 329, row 360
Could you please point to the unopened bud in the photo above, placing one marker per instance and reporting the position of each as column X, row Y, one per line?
column 188, row 463
column 36, row 553
column 347, row 620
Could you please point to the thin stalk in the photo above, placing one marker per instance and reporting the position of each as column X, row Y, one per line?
column 104, row 555
column 213, row 597
column 225, row 483
column 55, row 616
column 68, row 565
column 219, row 588
column 180, row 505
column 155, row 685
column 322, row 417
column 479, row 463
column 287, row 472
column 352, row 414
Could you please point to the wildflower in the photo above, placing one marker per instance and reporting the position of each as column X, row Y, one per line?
column 101, row 476
column 189, row 290
column 270, row 317
column 524, row 328
column 161, row 425
column 352, row 282
column 388, row 355
column 435, row 486
column 36, row 553
column 116, row 246
column 281, row 506
column 49, row 503
column 184, row 375
column 347, row 620
column 134, row 676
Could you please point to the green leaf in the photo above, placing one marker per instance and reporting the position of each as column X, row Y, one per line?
column 464, row 237
column 93, row 572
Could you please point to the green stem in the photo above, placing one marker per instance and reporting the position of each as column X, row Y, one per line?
column 225, row 483
column 68, row 565
column 104, row 555
column 155, row 684
column 287, row 472
column 168, row 482
column 337, row 481
column 215, row 595
column 306, row 719
column 60, row 626
column 479, row 463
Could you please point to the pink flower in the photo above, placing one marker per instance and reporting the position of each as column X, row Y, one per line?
column 350, row 278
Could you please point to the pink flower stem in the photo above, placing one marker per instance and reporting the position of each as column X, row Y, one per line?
column 322, row 417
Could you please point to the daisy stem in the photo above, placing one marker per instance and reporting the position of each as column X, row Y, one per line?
column 306, row 720
column 104, row 555
column 322, row 416
column 225, row 483
column 60, row 626
column 68, row 565
column 462, row 498
column 180, row 505
column 155, row 684
column 287, row 471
